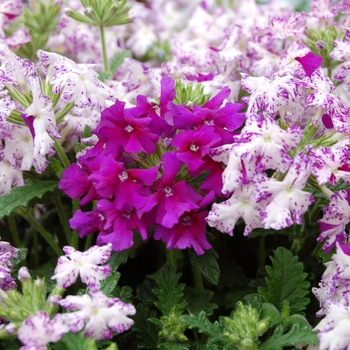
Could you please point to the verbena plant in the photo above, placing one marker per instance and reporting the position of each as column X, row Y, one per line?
column 174, row 175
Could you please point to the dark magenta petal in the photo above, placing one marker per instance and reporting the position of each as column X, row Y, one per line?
column 29, row 121
column 310, row 62
column 327, row 121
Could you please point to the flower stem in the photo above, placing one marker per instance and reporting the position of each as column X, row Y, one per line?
column 104, row 50
column 63, row 217
column 75, row 237
column 88, row 242
column 14, row 232
column 29, row 217
column 198, row 280
column 61, row 154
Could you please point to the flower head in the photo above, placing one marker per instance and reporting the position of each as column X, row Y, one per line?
column 85, row 264
column 97, row 314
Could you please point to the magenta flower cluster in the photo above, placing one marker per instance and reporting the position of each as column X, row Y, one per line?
column 141, row 172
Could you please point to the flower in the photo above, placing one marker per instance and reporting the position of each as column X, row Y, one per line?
column 98, row 313
column 335, row 217
column 85, row 264
column 241, row 204
column 38, row 330
column 286, row 200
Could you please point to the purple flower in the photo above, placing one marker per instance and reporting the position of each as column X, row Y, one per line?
column 97, row 314
column 172, row 199
column 118, row 226
column 188, row 232
column 194, row 145
column 127, row 185
column 124, row 131
column 38, row 330
column 85, row 264
column 310, row 62
column 86, row 223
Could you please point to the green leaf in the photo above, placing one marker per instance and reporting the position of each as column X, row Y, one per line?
column 109, row 285
column 296, row 335
column 169, row 291
column 56, row 166
column 21, row 196
column 21, row 255
column 170, row 345
column 199, row 302
column 118, row 59
column 147, row 332
column 286, row 282
column 75, row 341
column 203, row 325
column 270, row 311
column 207, row 265
column 117, row 259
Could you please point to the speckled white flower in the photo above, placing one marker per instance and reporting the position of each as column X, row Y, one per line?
column 85, row 264
column 38, row 330
column 287, row 201
column 242, row 204
column 98, row 313
column 335, row 217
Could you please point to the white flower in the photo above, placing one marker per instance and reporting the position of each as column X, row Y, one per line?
column 86, row 264
column 98, row 313
column 38, row 330
column 287, row 201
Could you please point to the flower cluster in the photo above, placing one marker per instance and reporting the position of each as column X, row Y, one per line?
column 333, row 295
column 142, row 168
column 94, row 312
column 7, row 252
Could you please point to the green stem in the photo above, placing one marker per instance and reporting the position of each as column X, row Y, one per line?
column 63, row 217
column 61, row 154
column 36, row 250
column 88, row 242
column 198, row 280
column 104, row 50
column 75, row 236
column 317, row 249
column 64, row 112
column 170, row 257
column 29, row 217
column 14, row 232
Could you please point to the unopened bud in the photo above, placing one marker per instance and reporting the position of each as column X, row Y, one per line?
column 10, row 328
column 320, row 45
column 23, row 274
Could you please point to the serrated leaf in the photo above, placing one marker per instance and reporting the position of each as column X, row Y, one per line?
column 207, row 265
column 203, row 325
column 109, row 285
column 286, row 282
column 169, row 291
column 21, row 255
column 296, row 335
column 56, row 166
column 170, row 345
column 147, row 332
column 270, row 311
column 74, row 341
column 118, row 59
column 117, row 259
column 124, row 294
column 199, row 302
column 21, row 196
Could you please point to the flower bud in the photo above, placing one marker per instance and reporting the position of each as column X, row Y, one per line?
column 23, row 274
